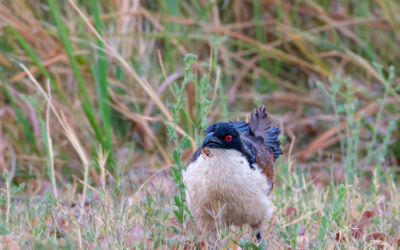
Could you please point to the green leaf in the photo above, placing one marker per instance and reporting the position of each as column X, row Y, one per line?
column 16, row 189
column 204, row 64
column 293, row 241
column 323, row 228
column 3, row 200
column 378, row 67
column 176, row 155
column 5, row 174
column 250, row 246
column 204, row 105
column 90, row 236
column 178, row 202
column 188, row 77
column 177, row 89
column 179, row 105
column 262, row 245
column 171, row 131
column 183, row 141
column 235, row 242
column 175, row 174
column 215, row 42
column 336, row 208
column 181, row 186
column 243, row 241
column 189, row 59
column 3, row 228
column 178, row 215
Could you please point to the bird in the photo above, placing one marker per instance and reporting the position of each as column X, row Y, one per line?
column 229, row 178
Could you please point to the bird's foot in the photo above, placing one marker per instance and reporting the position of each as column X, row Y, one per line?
column 258, row 236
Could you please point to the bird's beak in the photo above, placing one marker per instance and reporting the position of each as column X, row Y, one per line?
column 210, row 141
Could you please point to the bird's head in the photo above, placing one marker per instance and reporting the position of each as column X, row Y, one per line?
column 222, row 136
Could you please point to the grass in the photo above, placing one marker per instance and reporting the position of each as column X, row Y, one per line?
column 103, row 102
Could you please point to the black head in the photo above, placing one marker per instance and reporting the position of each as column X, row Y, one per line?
column 222, row 135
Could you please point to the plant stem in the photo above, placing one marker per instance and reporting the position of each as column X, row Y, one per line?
column 8, row 202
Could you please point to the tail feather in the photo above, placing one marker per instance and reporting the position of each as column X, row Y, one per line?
column 260, row 122
column 272, row 141
column 260, row 125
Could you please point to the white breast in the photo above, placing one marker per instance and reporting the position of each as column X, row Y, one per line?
column 224, row 188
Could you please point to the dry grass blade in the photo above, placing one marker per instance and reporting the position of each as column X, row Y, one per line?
column 68, row 132
column 49, row 142
column 102, row 159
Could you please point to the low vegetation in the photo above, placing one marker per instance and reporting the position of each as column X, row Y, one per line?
column 102, row 103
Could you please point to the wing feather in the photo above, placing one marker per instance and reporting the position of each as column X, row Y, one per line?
column 257, row 152
column 261, row 144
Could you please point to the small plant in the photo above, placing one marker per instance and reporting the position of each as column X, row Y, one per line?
column 247, row 245
column 179, row 144
column 323, row 228
column 293, row 241
column 342, row 89
column 336, row 208
column 6, row 200
column 387, row 82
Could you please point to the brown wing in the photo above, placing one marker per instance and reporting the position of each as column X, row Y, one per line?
column 260, row 144
column 265, row 161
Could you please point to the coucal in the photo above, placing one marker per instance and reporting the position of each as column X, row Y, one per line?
column 229, row 178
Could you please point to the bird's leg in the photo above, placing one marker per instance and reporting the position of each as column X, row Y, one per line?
column 257, row 231
column 258, row 236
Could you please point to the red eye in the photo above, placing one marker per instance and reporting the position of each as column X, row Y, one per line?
column 228, row 138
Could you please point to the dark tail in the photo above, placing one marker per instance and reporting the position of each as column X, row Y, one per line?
column 260, row 125
column 272, row 141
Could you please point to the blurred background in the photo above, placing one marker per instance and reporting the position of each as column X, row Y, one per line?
column 113, row 71
column 276, row 52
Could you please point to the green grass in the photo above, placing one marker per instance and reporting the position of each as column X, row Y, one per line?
column 86, row 106
column 328, row 76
